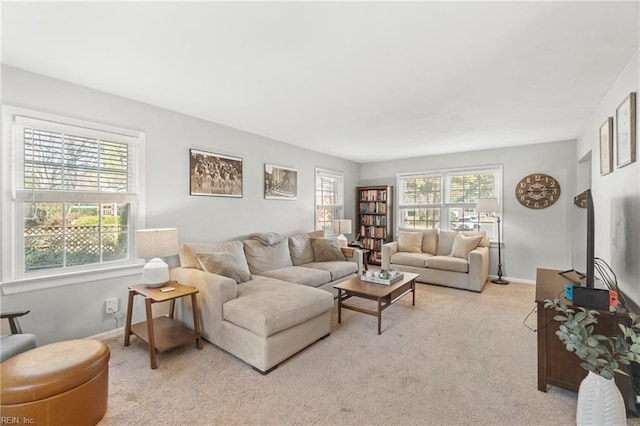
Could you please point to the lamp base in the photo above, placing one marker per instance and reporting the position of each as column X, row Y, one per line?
column 342, row 240
column 155, row 285
column 500, row 281
column 155, row 273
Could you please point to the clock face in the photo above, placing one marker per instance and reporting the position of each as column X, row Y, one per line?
column 537, row 191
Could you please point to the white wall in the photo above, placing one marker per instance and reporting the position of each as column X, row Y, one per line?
column 531, row 238
column 77, row 310
column 616, row 195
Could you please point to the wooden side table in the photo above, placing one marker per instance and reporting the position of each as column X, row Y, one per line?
column 162, row 333
column 348, row 252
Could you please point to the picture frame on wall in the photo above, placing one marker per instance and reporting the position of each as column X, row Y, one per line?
column 626, row 131
column 606, row 147
column 214, row 175
column 280, row 183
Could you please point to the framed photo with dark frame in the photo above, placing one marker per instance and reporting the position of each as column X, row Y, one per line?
column 606, row 147
column 626, row 131
column 215, row 175
column 280, row 183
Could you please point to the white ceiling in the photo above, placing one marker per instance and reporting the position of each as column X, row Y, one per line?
column 366, row 81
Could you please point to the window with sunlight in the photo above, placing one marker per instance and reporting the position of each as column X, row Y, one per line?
column 76, row 197
column 447, row 199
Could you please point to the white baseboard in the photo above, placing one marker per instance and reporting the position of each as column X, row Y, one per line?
column 513, row 279
column 107, row 335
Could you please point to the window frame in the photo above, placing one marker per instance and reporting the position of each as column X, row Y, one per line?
column 13, row 277
column 339, row 206
column 445, row 204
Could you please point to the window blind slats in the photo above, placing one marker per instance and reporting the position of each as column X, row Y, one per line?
column 60, row 161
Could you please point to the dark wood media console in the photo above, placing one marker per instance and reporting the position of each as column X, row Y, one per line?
column 556, row 366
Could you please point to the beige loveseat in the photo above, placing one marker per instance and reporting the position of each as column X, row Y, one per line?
column 264, row 303
column 449, row 258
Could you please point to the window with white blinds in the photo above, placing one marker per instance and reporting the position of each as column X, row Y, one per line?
column 59, row 161
column 447, row 199
column 74, row 194
column 329, row 198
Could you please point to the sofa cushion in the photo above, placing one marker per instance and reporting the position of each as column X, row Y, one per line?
column 223, row 263
column 410, row 242
column 264, row 258
column 429, row 239
column 445, row 242
column 448, row 263
column 410, row 259
column 300, row 247
column 188, row 258
column 299, row 275
column 463, row 244
column 265, row 306
column 336, row 269
column 484, row 242
column 327, row 250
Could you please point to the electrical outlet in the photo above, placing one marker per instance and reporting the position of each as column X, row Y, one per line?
column 111, row 305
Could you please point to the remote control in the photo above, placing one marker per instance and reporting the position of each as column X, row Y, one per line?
column 167, row 289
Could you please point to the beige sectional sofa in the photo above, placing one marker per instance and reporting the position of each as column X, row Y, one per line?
column 449, row 258
column 264, row 303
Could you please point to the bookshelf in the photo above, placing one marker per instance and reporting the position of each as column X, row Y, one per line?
column 374, row 217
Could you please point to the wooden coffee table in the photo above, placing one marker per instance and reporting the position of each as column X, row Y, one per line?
column 385, row 295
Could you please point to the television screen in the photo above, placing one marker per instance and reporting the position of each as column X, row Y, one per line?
column 582, row 248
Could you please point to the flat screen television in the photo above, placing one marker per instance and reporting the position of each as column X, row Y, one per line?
column 583, row 254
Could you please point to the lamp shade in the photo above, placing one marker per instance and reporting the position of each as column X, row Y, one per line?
column 341, row 226
column 487, row 205
column 152, row 243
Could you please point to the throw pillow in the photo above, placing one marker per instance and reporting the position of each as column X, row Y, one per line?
column 300, row 247
column 223, row 263
column 410, row 242
column 463, row 245
column 327, row 250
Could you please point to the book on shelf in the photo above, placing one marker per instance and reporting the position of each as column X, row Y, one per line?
column 373, row 195
column 373, row 231
column 373, row 220
column 373, row 207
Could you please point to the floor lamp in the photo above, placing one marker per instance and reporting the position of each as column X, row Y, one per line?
column 490, row 205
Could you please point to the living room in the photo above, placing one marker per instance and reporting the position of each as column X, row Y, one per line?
column 71, row 307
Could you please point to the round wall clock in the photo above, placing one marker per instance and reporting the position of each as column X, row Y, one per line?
column 537, row 191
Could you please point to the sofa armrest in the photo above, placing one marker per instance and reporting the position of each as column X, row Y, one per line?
column 214, row 292
column 478, row 268
column 388, row 250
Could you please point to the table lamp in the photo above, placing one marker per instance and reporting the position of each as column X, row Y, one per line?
column 490, row 205
column 341, row 226
column 155, row 244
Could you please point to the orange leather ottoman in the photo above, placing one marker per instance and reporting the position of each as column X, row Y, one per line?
column 64, row 383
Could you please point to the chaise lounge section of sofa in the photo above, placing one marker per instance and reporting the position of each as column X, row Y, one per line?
column 264, row 302
column 448, row 258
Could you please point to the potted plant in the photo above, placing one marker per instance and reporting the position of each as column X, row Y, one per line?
column 599, row 400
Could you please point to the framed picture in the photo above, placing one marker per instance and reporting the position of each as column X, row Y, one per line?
column 280, row 183
column 626, row 131
column 215, row 174
column 606, row 147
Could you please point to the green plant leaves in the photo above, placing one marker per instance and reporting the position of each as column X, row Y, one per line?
column 600, row 354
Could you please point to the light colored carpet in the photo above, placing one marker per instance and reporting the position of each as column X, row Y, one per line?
column 456, row 358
